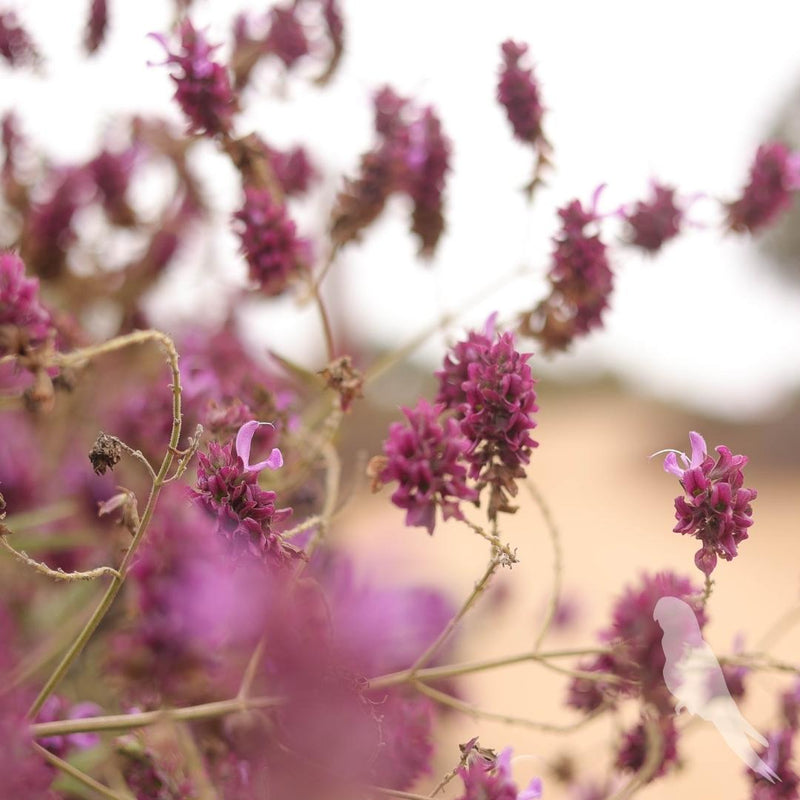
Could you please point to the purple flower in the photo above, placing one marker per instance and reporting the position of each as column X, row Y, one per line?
column 24, row 322
column 244, row 441
column 111, row 173
column 633, row 749
column 493, row 780
column 518, row 93
column 16, row 45
column 286, row 38
column 428, row 161
column 580, row 279
column 275, row 253
column 494, row 403
column 634, row 638
column 96, row 26
column 424, row 456
column 245, row 513
column 778, row 756
column 774, row 175
column 790, row 705
column 653, row 222
column 203, row 87
column 716, row 507
column 293, row 169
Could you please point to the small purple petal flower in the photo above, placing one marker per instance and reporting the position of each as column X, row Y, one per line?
column 774, row 176
column 244, row 441
column 716, row 507
column 518, row 93
column 654, row 222
column 203, row 88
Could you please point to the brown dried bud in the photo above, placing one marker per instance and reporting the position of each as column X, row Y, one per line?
column 375, row 466
column 105, row 454
column 341, row 376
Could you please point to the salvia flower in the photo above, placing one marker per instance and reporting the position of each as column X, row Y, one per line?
column 24, row 322
column 96, row 26
column 286, row 38
column 275, row 253
column 774, row 176
column 16, row 45
column 293, row 169
column 581, row 282
column 655, row 221
column 492, row 780
column 518, row 93
column 203, row 87
column 425, row 457
column 715, row 507
column 634, row 640
column 227, row 486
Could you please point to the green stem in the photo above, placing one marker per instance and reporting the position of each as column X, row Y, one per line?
column 79, row 775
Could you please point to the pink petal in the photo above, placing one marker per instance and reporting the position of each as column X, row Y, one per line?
column 244, row 441
column 699, row 449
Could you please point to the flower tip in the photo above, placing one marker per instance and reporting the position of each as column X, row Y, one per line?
column 244, row 442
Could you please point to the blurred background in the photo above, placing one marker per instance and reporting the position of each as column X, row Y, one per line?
column 702, row 337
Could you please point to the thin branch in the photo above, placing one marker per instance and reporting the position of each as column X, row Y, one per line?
column 79, row 775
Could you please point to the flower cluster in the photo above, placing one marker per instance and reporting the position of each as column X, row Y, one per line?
column 580, row 280
column 425, row 458
column 246, row 516
column 491, row 779
column 715, row 507
column 651, row 223
column 24, row 322
column 518, row 92
column 203, row 89
column 275, row 253
column 774, row 176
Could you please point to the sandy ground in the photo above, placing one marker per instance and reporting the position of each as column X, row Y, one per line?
column 614, row 509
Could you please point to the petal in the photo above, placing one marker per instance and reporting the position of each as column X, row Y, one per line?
column 699, row 449
column 671, row 465
column 244, row 441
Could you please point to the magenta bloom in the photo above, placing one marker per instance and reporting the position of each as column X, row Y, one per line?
column 633, row 751
column 286, row 38
column 24, row 322
column 715, row 508
column 581, row 282
column 493, row 780
column 203, row 87
column 636, row 656
column 518, row 93
column 774, row 176
column 653, row 222
column 293, row 169
column 16, row 45
column 275, row 253
column 227, row 486
column 424, row 456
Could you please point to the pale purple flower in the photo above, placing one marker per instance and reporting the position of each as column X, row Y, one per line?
column 715, row 507
column 244, row 441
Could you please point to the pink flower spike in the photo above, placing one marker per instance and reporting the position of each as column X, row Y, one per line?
column 244, row 440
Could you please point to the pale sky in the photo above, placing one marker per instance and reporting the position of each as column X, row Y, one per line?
column 681, row 91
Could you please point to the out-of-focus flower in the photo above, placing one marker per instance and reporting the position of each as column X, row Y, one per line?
column 518, row 93
column 492, row 780
column 287, row 37
column 778, row 757
column 790, row 705
column 24, row 322
column 293, row 169
column 275, row 253
column 580, row 280
column 96, row 25
column 111, row 173
column 633, row 750
column 245, row 513
column 425, row 457
column 716, row 507
column 16, row 45
column 634, row 639
column 774, row 176
column 57, row 707
column 203, row 90
column 653, row 222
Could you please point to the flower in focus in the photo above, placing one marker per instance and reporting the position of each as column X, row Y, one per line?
column 23, row 320
column 203, row 88
column 653, row 222
column 246, row 516
column 580, row 280
column 424, row 457
column 492, row 780
column 634, row 639
column 774, row 176
column 715, row 507
column 275, row 253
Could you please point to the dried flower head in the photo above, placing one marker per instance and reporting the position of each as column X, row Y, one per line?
column 105, row 453
column 715, row 507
